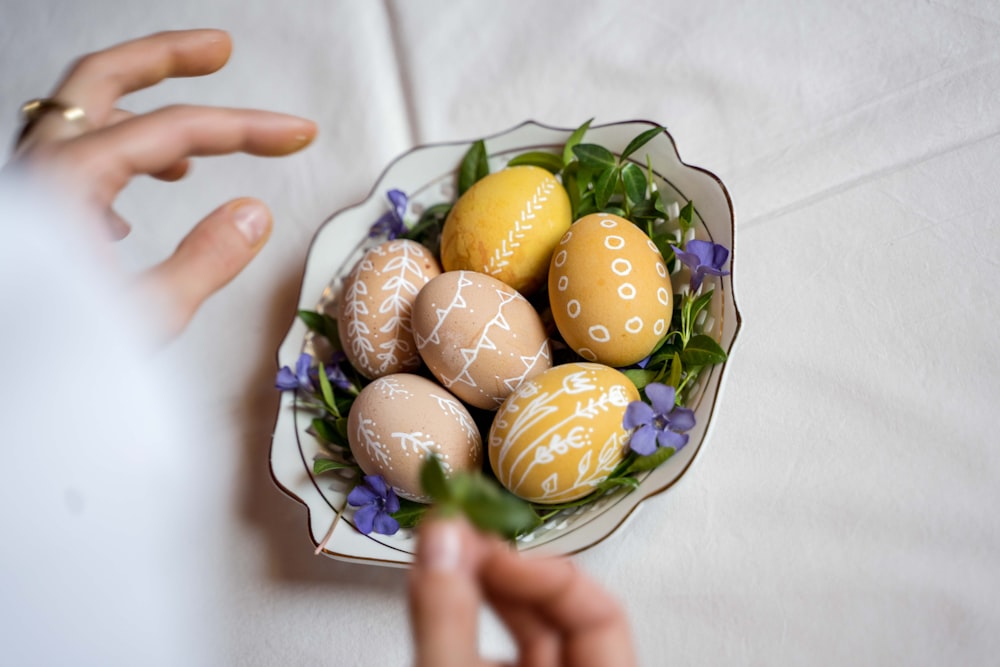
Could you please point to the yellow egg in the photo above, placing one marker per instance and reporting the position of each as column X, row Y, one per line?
column 506, row 226
column 609, row 290
column 561, row 433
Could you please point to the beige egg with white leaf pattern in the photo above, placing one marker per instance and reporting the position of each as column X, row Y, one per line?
column 376, row 300
column 398, row 420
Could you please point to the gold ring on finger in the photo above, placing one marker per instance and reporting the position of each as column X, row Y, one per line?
column 34, row 110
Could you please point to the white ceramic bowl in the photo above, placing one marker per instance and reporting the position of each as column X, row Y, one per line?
column 427, row 175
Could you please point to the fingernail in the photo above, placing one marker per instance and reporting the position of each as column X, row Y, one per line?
column 440, row 547
column 252, row 220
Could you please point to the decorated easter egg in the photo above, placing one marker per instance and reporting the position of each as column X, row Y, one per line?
column 479, row 337
column 506, row 226
column 398, row 420
column 609, row 290
column 374, row 309
column 560, row 434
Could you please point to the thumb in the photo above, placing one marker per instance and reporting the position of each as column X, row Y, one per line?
column 445, row 595
column 215, row 251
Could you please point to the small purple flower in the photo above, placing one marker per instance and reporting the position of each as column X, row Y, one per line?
column 703, row 258
column 288, row 379
column 391, row 223
column 376, row 501
column 306, row 376
column 662, row 425
column 334, row 373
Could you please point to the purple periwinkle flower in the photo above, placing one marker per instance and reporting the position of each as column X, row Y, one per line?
column 334, row 373
column 376, row 501
column 704, row 258
column 288, row 379
column 391, row 223
column 661, row 425
column 306, row 376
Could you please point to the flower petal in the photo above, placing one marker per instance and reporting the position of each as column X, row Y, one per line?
column 385, row 524
column 662, row 396
column 286, row 379
column 302, row 369
column 668, row 438
column 364, row 518
column 361, row 495
column 681, row 419
column 377, row 484
column 703, row 250
column 687, row 258
column 391, row 501
column 637, row 414
column 643, row 441
column 719, row 255
column 398, row 200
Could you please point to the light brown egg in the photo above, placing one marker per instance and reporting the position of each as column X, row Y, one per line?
column 506, row 226
column 609, row 290
column 398, row 420
column 375, row 303
column 479, row 336
column 560, row 434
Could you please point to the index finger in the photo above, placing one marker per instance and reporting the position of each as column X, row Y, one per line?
column 96, row 81
column 150, row 143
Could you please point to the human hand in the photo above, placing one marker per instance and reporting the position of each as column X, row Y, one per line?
column 91, row 159
column 555, row 613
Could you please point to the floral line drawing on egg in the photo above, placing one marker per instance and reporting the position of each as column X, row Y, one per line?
column 544, row 404
column 501, row 255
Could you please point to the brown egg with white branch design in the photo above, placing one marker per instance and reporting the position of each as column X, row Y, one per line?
column 398, row 420
column 373, row 314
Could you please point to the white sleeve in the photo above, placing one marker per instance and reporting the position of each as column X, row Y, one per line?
column 100, row 559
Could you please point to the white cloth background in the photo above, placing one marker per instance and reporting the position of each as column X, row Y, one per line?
column 844, row 509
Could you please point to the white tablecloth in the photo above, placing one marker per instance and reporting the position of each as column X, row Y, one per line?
column 844, row 510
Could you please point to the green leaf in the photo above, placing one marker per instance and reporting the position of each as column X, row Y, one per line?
column 433, row 480
column 474, row 166
column 483, row 502
column 686, row 216
column 604, row 187
column 644, row 463
column 327, row 391
column 322, row 324
column 321, row 466
column 641, row 141
column 676, row 369
column 635, row 183
column 541, row 159
column 328, row 432
column 595, row 157
column 612, row 483
column 494, row 509
column 574, row 139
column 699, row 304
column 702, row 350
column 409, row 513
column 640, row 377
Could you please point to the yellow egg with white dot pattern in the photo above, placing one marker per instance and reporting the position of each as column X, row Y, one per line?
column 609, row 289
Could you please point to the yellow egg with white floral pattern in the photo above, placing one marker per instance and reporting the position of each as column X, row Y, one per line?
column 609, row 290
column 560, row 434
